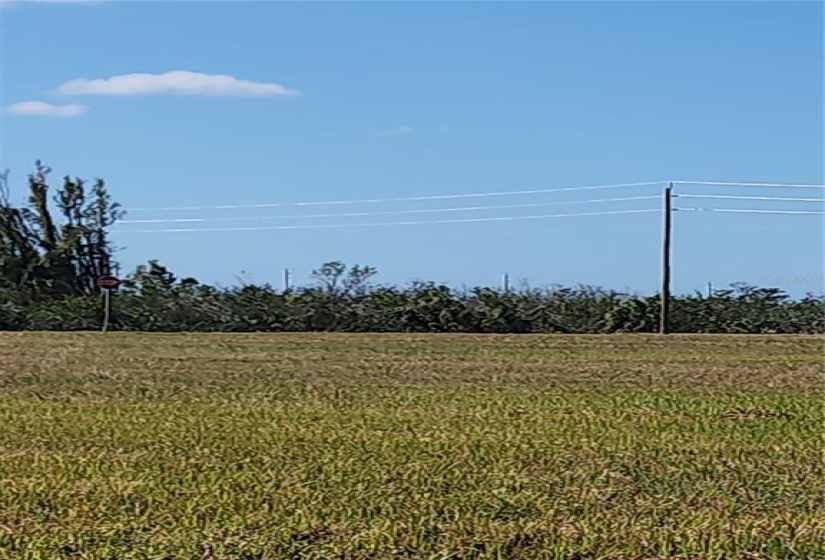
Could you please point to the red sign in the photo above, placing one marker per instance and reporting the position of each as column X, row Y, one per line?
column 108, row 282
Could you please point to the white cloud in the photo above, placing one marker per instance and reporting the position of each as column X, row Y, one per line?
column 179, row 82
column 397, row 131
column 43, row 109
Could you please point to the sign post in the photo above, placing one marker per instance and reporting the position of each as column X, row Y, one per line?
column 107, row 284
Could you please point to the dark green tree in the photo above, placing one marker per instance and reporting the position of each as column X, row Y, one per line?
column 59, row 246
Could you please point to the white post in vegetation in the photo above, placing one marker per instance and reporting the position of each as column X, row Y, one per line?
column 287, row 279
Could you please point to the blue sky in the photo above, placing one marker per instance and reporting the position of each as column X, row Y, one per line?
column 364, row 100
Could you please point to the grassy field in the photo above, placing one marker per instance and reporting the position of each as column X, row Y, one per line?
column 218, row 447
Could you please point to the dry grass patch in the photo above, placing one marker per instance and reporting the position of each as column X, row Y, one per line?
column 264, row 447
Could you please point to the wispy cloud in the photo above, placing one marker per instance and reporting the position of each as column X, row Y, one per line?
column 43, row 109
column 397, row 131
column 407, row 130
column 178, row 82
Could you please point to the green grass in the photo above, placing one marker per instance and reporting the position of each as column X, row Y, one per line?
column 242, row 447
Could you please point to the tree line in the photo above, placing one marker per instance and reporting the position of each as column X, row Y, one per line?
column 53, row 249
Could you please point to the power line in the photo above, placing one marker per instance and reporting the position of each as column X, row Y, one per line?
column 775, row 185
column 384, row 213
column 750, row 197
column 404, row 199
column 410, row 223
column 740, row 211
column 459, row 196
column 733, row 228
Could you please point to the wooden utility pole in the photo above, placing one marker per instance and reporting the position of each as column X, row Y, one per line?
column 667, row 215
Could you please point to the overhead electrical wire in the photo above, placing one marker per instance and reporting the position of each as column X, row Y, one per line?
column 386, row 212
column 385, row 224
column 725, row 197
column 462, row 208
column 404, row 199
column 460, row 196
column 744, row 211
column 735, row 228
column 730, row 184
